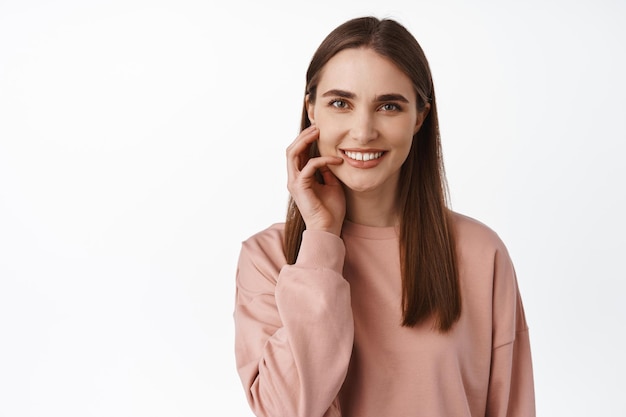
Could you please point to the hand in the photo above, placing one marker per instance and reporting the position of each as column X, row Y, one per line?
column 322, row 206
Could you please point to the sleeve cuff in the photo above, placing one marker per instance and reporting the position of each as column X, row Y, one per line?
column 321, row 250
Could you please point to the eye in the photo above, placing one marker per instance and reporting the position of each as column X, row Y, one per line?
column 390, row 107
column 338, row 103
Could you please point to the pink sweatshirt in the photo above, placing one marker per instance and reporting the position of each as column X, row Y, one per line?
column 323, row 337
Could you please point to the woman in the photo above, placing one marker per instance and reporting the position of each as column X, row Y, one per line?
column 374, row 299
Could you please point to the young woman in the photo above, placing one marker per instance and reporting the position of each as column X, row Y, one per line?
column 373, row 298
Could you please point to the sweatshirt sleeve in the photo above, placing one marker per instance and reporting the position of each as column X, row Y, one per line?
column 293, row 327
column 511, row 386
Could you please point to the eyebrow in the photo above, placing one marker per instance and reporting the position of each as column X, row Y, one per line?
column 392, row 97
column 382, row 97
column 339, row 93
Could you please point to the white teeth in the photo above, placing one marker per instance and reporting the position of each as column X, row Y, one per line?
column 363, row 156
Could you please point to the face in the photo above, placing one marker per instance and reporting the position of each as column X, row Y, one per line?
column 366, row 111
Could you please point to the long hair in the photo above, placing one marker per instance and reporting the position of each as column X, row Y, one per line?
column 430, row 284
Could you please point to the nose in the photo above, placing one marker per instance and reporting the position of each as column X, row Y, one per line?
column 363, row 128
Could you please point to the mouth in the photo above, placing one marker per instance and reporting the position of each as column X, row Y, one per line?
column 363, row 156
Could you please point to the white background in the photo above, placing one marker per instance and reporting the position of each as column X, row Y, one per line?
column 142, row 141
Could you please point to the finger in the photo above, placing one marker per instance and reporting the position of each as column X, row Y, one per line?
column 322, row 162
column 297, row 152
column 306, row 178
column 303, row 140
column 328, row 176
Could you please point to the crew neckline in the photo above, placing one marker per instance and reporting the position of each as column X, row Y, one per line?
column 369, row 232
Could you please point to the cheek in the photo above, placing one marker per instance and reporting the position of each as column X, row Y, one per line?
column 325, row 148
column 403, row 135
column 328, row 141
column 402, row 141
column 332, row 129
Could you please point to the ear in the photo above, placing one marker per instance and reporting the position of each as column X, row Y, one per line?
column 310, row 108
column 421, row 116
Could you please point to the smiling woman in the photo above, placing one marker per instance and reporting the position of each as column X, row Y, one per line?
column 374, row 298
column 369, row 122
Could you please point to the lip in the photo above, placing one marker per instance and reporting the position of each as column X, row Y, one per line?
column 363, row 164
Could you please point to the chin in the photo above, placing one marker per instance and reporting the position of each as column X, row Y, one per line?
column 360, row 187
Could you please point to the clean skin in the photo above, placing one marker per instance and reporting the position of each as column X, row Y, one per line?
column 364, row 116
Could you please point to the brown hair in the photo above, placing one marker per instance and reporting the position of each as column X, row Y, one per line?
column 430, row 286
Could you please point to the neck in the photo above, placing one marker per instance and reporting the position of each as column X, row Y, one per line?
column 377, row 208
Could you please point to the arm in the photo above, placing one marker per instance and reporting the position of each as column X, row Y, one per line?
column 293, row 327
column 511, row 386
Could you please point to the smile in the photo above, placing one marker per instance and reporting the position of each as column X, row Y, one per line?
column 363, row 156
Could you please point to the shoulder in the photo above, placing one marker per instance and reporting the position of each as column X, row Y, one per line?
column 262, row 253
column 474, row 233
column 478, row 244
column 269, row 238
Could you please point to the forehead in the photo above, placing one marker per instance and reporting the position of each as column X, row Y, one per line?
column 365, row 73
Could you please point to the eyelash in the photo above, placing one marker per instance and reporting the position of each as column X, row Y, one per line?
column 335, row 101
column 396, row 107
column 344, row 105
